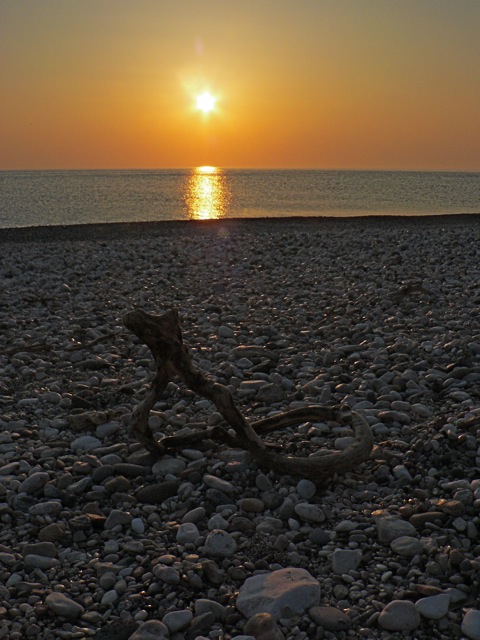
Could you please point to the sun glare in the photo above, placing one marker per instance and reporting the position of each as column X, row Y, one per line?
column 206, row 102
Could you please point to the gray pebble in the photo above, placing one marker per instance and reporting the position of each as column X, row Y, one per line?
column 399, row 615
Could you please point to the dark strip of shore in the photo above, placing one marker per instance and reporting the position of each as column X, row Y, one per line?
column 121, row 230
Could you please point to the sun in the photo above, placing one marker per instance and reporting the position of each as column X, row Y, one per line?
column 206, row 102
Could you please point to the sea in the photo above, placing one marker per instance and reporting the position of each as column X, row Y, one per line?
column 44, row 198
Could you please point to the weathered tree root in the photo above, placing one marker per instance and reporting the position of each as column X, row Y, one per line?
column 163, row 336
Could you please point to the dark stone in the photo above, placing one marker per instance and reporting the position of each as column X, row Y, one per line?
column 217, row 497
column 199, row 624
column 130, row 470
column 263, row 626
column 157, row 493
column 330, row 618
column 102, row 473
column 117, row 631
column 244, row 525
column 120, row 484
column 213, row 573
column 419, row 520
column 319, row 537
column 80, row 403
column 272, row 499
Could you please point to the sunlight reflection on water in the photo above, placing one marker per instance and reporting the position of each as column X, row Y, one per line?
column 207, row 194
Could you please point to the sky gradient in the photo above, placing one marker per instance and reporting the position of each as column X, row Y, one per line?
column 329, row 84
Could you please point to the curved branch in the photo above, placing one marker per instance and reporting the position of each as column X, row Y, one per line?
column 163, row 336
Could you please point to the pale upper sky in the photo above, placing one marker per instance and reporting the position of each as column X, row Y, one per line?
column 353, row 84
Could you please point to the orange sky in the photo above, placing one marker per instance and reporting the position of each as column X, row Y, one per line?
column 355, row 84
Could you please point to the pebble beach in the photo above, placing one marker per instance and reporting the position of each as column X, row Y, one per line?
column 100, row 540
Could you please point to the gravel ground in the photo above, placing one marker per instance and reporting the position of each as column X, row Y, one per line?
column 100, row 541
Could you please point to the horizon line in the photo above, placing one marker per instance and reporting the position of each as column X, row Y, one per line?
column 231, row 168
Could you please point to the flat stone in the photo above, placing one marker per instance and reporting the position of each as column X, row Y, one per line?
column 471, row 624
column 251, row 505
column 271, row 394
column 130, row 470
column 85, row 443
column 407, row 546
column 204, row 605
column 399, row 615
column 7, row 559
column 117, row 517
column 33, row 561
column 177, row 620
column 330, row 618
column 419, row 520
column 218, row 483
column 166, row 574
column 345, row 560
column 282, row 593
column 167, row 465
column 157, row 493
column 47, row 549
column 194, row 515
column 121, row 630
column 434, row 607
column 49, row 508
column 109, row 597
column 225, row 332
column 201, row 623
column 389, row 528
column 61, row 605
column 452, row 507
column 34, row 483
column 309, row 512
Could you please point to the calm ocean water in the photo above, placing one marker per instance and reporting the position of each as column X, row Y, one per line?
column 33, row 198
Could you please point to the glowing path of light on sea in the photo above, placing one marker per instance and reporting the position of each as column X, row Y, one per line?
column 207, row 194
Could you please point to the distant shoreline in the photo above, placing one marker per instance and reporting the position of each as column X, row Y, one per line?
column 116, row 230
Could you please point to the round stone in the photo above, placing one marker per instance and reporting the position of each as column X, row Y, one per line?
column 187, row 533
column 399, row 615
column 220, row 543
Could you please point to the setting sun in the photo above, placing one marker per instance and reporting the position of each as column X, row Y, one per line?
column 206, row 102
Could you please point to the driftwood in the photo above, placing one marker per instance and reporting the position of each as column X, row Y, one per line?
column 163, row 336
